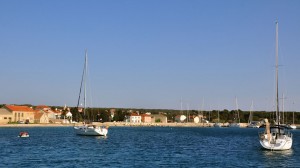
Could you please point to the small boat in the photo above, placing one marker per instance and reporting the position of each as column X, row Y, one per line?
column 291, row 126
column 23, row 135
column 254, row 124
column 217, row 124
column 234, row 125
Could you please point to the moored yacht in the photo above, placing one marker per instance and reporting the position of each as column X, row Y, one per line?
column 87, row 129
column 91, row 130
column 276, row 137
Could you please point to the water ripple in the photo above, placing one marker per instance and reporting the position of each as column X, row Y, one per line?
column 142, row 147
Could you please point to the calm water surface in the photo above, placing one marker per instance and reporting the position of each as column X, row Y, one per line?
column 142, row 147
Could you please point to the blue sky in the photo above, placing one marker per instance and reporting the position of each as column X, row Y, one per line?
column 150, row 53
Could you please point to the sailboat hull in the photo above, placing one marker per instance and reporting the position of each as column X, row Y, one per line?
column 253, row 125
column 218, row 125
column 276, row 137
column 234, row 125
column 291, row 126
column 91, row 130
column 283, row 142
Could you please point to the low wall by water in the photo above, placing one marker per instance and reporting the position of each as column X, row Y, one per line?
column 120, row 124
column 127, row 124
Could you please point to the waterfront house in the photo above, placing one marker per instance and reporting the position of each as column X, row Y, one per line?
column 41, row 118
column 58, row 113
column 21, row 113
column 135, row 118
column 42, row 107
column 146, row 118
column 159, row 118
column 47, row 110
column 5, row 116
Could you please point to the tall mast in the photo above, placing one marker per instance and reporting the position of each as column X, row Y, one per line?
column 283, row 120
column 83, row 81
column 85, row 74
column 251, row 113
column 181, row 106
column 237, row 109
column 277, row 99
column 293, row 116
column 187, row 112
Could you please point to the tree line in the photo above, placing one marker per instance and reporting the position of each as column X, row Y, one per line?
column 121, row 114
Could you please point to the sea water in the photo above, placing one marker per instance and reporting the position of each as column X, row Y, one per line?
column 142, row 147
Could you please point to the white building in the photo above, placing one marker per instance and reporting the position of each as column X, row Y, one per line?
column 135, row 118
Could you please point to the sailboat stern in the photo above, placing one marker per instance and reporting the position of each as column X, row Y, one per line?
column 276, row 138
column 91, row 130
column 278, row 144
column 102, row 131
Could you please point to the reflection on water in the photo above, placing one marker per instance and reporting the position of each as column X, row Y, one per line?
column 270, row 154
column 101, row 137
column 284, row 158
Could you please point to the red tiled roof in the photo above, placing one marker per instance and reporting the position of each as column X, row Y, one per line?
column 19, row 108
column 145, row 115
column 41, row 107
column 134, row 114
column 38, row 115
column 57, row 111
column 37, row 111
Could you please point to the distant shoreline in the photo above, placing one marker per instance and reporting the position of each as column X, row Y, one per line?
column 127, row 124
column 123, row 124
column 36, row 125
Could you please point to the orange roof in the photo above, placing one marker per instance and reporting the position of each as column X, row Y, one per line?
column 145, row 115
column 37, row 111
column 134, row 114
column 19, row 108
column 41, row 107
column 57, row 111
column 38, row 115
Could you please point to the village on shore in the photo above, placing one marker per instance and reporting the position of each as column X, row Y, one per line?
column 42, row 115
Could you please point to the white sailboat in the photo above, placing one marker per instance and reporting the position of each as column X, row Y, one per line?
column 292, row 126
column 251, row 123
column 86, row 128
column 236, row 124
column 218, row 124
column 276, row 137
column 289, row 126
